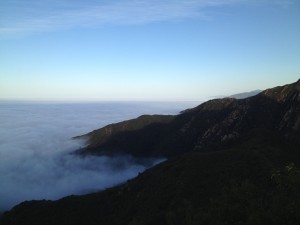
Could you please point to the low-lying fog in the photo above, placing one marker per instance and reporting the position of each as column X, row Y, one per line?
column 35, row 139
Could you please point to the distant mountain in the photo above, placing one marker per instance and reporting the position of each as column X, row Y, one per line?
column 245, row 94
column 239, row 95
column 231, row 162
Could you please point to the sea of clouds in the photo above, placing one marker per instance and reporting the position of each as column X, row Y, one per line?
column 36, row 142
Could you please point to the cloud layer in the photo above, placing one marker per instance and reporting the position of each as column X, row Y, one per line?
column 35, row 144
column 29, row 16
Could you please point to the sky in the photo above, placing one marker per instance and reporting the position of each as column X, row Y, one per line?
column 149, row 50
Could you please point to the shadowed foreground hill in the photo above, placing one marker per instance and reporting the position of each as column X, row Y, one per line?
column 232, row 162
column 250, row 183
column 209, row 126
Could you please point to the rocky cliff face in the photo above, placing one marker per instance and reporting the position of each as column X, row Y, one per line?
column 208, row 126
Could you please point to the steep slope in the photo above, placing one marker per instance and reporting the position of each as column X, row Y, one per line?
column 238, row 185
column 211, row 125
column 252, row 179
column 113, row 138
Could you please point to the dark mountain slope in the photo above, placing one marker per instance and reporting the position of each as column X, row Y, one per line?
column 118, row 138
column 252, row 179
column 211, row 125
column 238, row 185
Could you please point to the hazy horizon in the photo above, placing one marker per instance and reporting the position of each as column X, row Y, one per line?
column 120, row 100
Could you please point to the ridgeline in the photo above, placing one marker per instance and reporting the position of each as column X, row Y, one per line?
column 230, row 162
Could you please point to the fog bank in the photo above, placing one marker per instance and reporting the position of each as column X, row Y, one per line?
column 35, row 142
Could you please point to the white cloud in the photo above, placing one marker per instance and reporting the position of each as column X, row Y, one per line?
column 35, row 144
column 25, row 17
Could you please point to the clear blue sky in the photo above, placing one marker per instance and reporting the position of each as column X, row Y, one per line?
column 146, row 49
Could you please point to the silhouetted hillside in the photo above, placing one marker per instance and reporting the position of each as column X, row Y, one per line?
column 250, row 183
column 211, row 125
column 232, row 162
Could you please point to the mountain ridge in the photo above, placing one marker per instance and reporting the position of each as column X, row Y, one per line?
column 211, row 124
column 231, row 162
